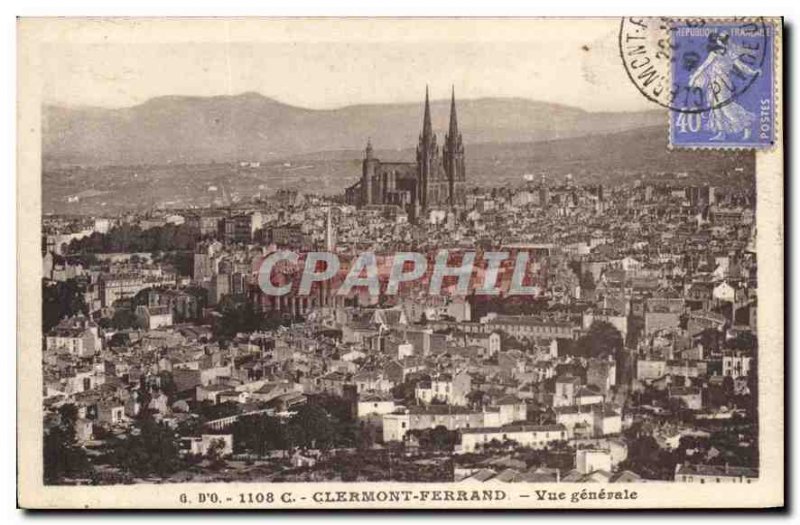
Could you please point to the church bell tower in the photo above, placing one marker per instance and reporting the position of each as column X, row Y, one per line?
column 427, row 157
column 453, row 158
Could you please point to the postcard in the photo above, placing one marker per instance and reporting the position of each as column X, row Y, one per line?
column 400, row 263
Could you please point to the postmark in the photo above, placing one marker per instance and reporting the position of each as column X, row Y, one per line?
column 644, row 47
column 715, row 76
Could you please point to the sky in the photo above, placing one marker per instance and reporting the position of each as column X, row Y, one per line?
column 324, row 63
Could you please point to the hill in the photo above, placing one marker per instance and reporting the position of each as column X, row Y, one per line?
column 177, row 129
column 612, row 159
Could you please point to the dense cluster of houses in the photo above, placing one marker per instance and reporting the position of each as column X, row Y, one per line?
column 671, row 269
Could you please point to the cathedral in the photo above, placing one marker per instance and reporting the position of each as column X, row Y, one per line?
column 435, row 181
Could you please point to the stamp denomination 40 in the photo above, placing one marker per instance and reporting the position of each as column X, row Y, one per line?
column 715, row 76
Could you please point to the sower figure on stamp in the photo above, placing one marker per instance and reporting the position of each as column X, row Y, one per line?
column 715, row 78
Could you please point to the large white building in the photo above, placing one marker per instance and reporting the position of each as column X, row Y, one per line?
column 445, row 388
column 688, row 473
column 78, row 337
column 154, row 317
column 397, row 425
column 593, row 459
column 533, row 436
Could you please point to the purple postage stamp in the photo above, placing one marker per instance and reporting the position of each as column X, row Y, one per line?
column 722, row 84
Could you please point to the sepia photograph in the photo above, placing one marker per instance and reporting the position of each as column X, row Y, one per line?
column 400, row 263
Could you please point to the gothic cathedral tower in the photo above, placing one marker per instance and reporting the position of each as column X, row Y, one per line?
column 453, row 159
column 437, row 179
column 427, row 159
column 368, row 169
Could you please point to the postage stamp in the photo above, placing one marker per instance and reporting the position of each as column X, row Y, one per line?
column 715, row 76
column 724, row 72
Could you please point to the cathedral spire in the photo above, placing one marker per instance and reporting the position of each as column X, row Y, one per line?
column 453, row 158
column 453, row 132
column 368, row 155
column 427, row 128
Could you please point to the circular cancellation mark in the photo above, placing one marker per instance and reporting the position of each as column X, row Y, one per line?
column 660, row 63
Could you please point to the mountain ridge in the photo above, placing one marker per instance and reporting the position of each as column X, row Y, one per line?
column 251, row 126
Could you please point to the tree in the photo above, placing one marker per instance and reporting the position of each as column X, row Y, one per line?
column 648, row 460
column 237, row 316
column 182, row 261
column 443, row 439
column 131, row 238
column 209, row 411
column 62, row 457
column 60, row 300
column 710, row 339
column 192, row 426
column 338, row 408
column 478, row 398
column 119, row 339
column 259, row 434
column 214, row 454
column 601, row 340
column 744, row 341
column 124, row 319
column 153, row 451
column 367, row 437
column 311, row 427
column 438, row 438
column 406, row 389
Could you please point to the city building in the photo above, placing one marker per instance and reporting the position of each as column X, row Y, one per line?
column 437, row 178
